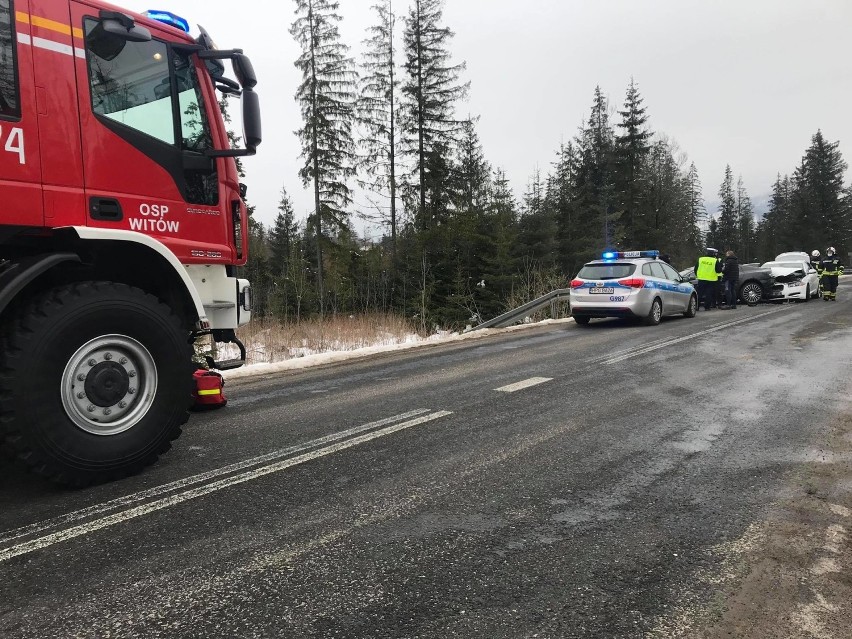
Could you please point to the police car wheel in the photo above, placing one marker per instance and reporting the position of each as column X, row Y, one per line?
column 96, row 382
column 807, row 293
column 692, row 307
column 655, row 314
column 582, row 321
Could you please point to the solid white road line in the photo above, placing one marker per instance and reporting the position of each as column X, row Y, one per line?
column 532, row 381
column 157, row 491
column 601, row 358
column 206, row 489
column 649, row 349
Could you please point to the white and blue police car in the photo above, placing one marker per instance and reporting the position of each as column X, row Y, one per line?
column 631, row 284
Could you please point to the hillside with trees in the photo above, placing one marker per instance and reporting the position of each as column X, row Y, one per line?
column 457, row 244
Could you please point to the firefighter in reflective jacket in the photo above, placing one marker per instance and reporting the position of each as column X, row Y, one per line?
column 829, row 270
column 707, row 270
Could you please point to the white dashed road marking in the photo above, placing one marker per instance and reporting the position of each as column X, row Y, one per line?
column 532, row 381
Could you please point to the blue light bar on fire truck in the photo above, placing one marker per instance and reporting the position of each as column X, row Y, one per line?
column 627, row 255
column 166, row 17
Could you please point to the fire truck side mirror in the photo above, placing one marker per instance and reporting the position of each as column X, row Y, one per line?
column 244, row 71
column 123, row 26
column 252, row 134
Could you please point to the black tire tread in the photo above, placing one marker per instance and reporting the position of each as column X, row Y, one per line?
column 649, row 319
column 16, row 334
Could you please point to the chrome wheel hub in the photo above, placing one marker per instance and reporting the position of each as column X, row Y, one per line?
column 751, row 293
column 109, row 384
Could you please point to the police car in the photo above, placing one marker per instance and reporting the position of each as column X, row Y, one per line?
column 631, row 284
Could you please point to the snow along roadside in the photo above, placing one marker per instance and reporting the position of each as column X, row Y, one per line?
column 330, row 357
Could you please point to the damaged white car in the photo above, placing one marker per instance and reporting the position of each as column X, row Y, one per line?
column 794, row 280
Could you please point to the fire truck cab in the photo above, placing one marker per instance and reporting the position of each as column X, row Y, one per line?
column 122, row 222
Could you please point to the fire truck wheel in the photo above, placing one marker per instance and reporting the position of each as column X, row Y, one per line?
column 95, row 382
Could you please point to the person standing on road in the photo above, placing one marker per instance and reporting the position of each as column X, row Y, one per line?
column 730, row 276
column 719, row 294
column 830, row 270
column 707, row 270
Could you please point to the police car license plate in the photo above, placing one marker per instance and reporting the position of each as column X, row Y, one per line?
column 602, row 290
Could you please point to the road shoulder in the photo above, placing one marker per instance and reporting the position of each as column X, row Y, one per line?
column 796, row 579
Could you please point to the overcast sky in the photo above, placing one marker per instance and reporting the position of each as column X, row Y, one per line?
column 745, row 82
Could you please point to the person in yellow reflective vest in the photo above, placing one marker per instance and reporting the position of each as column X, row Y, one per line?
column 708, row 269
column 830, row 269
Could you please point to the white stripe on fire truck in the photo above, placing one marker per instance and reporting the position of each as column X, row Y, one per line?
column 51, row 45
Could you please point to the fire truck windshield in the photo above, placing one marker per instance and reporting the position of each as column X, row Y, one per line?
column 132, row 86
column 152, row 88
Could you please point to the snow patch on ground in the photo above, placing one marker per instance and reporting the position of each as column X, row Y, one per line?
column 307, row 358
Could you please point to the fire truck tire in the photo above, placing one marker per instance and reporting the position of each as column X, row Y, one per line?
column 95, row 382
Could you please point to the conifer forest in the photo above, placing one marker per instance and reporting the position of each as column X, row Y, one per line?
column 457, row 244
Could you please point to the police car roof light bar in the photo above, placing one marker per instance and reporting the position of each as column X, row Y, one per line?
column 626, row 255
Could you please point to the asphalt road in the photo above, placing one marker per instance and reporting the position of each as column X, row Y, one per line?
column 559, row 481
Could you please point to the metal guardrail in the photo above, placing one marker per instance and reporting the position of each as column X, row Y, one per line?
column 511, row 317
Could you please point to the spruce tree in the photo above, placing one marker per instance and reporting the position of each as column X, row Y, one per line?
column 502, row 200
column 282, row 236
column 469, row 237
column 773, row 230
column 496, row 262
column 745, row 246
column 559, row 200
column 803, row 218
column 257, row 269
column 472, row 172
column 728, row 225
column 430, row 92
column 536, row 227
column 377, row 110
column 632, row 146
column 593, row 197
column 695, row 201
column 824, row 180
column 666, row 221
column 326, row 97
column 713, row 237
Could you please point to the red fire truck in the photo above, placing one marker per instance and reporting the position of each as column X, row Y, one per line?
column 122, row 222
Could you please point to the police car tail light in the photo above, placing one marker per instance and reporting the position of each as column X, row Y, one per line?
column 576, row 283
column 633, row 282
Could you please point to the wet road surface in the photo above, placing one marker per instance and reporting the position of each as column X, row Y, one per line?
column 560, row 481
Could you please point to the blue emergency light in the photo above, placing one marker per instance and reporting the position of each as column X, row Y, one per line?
column 626, row 255
column 166, row 17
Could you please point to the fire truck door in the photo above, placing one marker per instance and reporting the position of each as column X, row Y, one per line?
column 145, row 131
column 20, row 168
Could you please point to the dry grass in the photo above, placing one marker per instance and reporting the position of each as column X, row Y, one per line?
column 272, row 341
